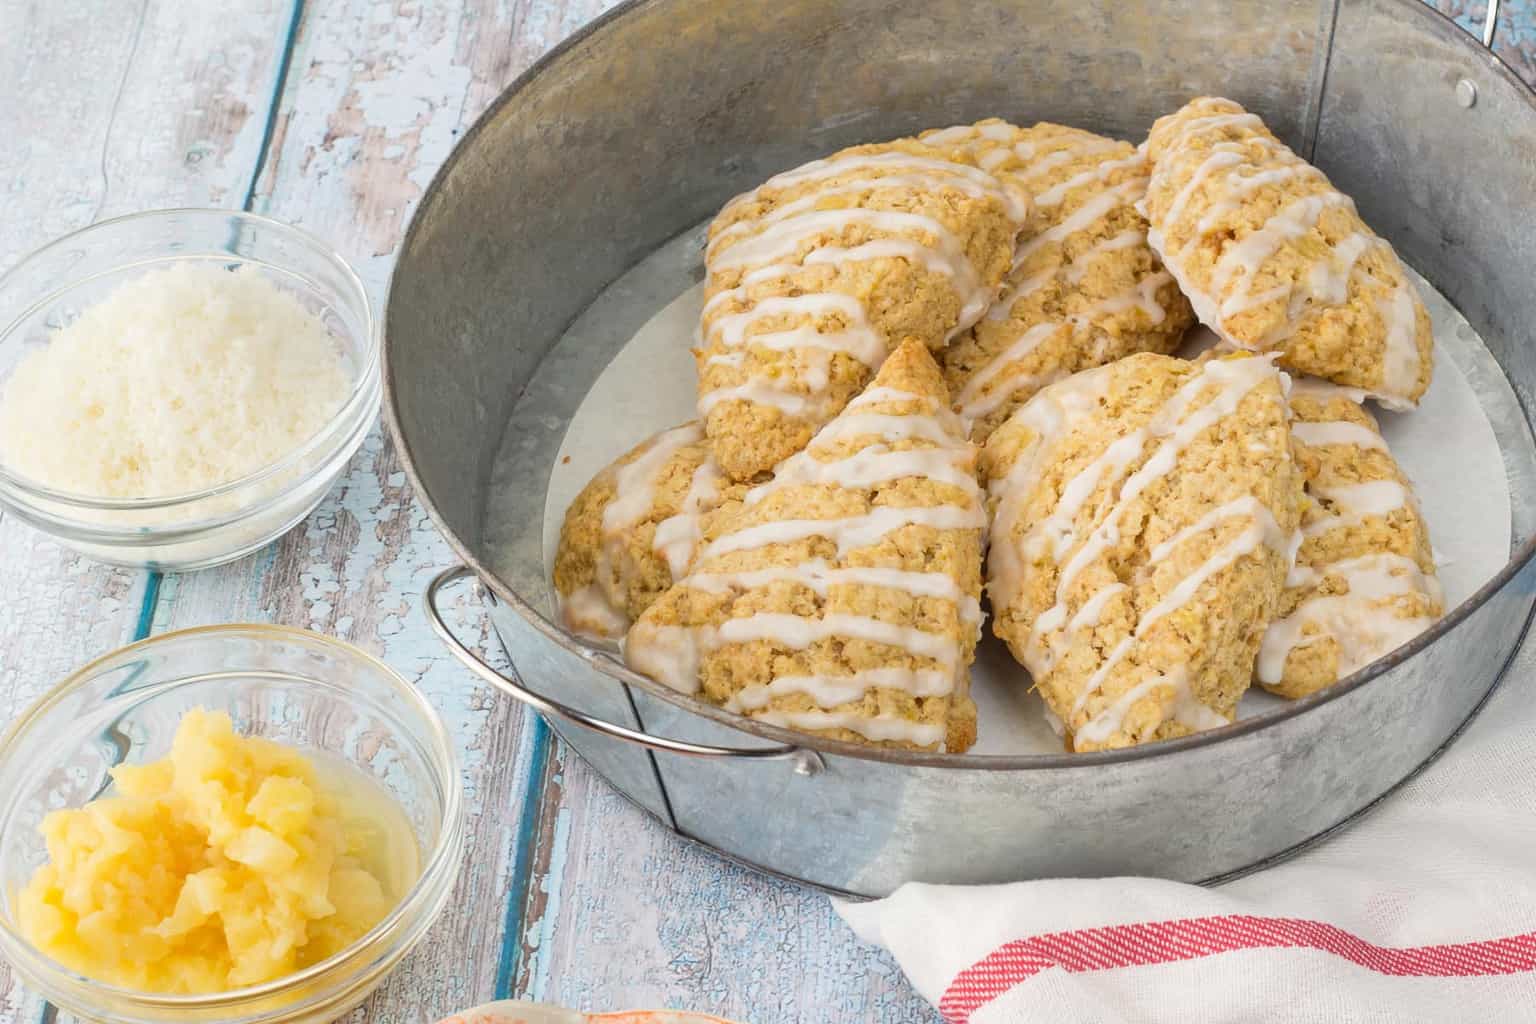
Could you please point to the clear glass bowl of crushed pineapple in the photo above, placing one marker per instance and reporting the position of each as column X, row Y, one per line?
column 234, row 824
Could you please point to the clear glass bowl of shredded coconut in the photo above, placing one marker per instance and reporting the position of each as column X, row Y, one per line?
column 180, row 387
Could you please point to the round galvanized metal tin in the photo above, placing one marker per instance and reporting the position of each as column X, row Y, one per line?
column 642, row 124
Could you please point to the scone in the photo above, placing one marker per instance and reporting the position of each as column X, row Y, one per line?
column 1085, row 288
column 842, row 598
column 816, row 275
column 1143, row 519
column 1364, row 582
column 632, row 530
column 1275, row 259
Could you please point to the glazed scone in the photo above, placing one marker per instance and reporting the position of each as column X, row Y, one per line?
column 1085, row 288
column 1364, row 582
column 1275, row 259
column 1143, row 520
column 842, row 598
column 820, row 272
column 633, row 529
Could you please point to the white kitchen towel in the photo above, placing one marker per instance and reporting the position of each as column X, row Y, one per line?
column 1425, row 910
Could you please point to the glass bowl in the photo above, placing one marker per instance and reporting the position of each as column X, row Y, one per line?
column 49, row 289
column 300, row 688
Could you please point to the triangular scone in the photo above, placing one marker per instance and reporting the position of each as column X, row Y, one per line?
column 1143, row 520
column 633, row 530
column 816, row 275
column 1275, row 259
column 1364, row 582
column 842, row 598
column 1085, row 288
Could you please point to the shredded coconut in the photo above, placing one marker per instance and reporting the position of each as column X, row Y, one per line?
column 179, row 380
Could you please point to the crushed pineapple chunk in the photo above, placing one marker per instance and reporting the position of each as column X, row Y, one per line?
column 220, row 866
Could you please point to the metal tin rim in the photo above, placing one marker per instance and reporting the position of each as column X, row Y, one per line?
column 604, row 662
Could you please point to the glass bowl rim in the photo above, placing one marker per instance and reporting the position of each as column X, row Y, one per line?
column 437, row 869
column 364, row 387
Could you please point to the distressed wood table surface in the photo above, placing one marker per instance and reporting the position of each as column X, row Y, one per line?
column 333, row 115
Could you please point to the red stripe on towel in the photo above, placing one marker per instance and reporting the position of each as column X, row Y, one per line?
column 1160, row 942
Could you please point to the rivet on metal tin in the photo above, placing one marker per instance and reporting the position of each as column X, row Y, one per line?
column 1466, row 93
column 808, row 763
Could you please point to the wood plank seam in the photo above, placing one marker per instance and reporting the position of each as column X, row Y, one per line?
column 274, row 102
column 524, row 867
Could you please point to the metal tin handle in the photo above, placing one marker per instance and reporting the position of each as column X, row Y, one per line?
column 1491, row 23
column 808, row 762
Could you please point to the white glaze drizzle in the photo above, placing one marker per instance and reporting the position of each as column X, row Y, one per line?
column 1247, row 505
column 1326, row 282
column 819, row 576
column 777, row 238
column 1356, row 503
column 1262, row 531
column 1323, row 390
column 1207, row 122
column 799, row 632
column 831, row 691
column 974, row 399
column 771, row 272
column 635, row 482
column 1142, row 295
column 1317, row 435
column 851, row 533
column 759, row 391
column 1084, row 216
column 1099, row 172
column 1127, row 239
column 1049, row 414
column 832, row 167
column 880, row 728
column 1054, row 536
column 1292, row 221
column 968, row 132
column 590, row 611
column 1223, row 155
column 784, row 239
column 858, row 338
column 1363, row 621
column 678, row 535
column 674, row 654
column 869, row 467
column 1239, row 187
column 925, row 182
column 1087, row 617
column 1185, row 707
column 1400, row 360
column 671, row 655
column 598, row 608
column 1071, row 148
column 888, row 427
